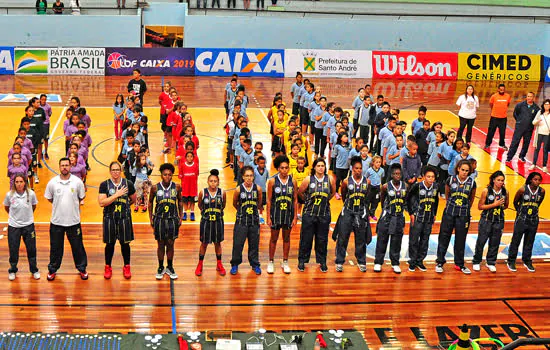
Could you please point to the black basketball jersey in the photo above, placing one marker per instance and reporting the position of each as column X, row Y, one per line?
column 212, row 206
column 394, row 201
column 458, row 203
column 495, row 214
column 317, row 197
column 427, row 198
column 529, row 204
column 120, row 208
column 167, row 201
column 356, row 197
column 247, row 214
column 282, row 202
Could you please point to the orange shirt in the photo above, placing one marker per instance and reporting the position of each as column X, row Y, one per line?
column 500, row 105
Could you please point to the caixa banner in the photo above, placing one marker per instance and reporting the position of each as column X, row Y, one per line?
column 415, row 65
column 6, row 60
column 546, row 71
column 244, row 62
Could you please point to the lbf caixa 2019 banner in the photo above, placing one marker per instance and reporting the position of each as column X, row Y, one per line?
column 150, row 61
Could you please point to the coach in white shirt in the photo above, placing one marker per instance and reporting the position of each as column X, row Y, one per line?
column 65, row 191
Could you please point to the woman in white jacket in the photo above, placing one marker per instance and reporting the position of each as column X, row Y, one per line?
column 542, row 135
column 468, row 103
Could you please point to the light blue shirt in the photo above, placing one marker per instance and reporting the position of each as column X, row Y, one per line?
column 366, row 165
column 416, row 125
column 329, row 118
column 430, row 138
column 446, row 152
column 404, row 152
column 261, row 179
column 385, row 132
column 295, row 88
column 388, row 142
column 355, row 104
column 374, row 176
column 306, row 98
column 333, row 139
column 364, row 114
column 392, row 150
column 313, row 107
column 324, row 119
column 433, row 150
column 341, row 154
column 247, row 158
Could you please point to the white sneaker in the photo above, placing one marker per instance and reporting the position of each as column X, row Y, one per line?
column 476, row 267
column 36, row 275
column 363, row 268
column 339, row 268
column 492, row 268
column 270, row 267
column 532, row 167
column 439, row 268
column 299, row 217
column 284, row 265
column 396, row 269
column 545, row 169
column 377, row 267
column 11, row 276
column 36, row 179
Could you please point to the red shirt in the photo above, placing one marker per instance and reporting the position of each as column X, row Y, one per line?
column 194, row 139
column 189, row 175
column 165, row 101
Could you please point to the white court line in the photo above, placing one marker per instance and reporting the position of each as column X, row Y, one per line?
column 60, row 116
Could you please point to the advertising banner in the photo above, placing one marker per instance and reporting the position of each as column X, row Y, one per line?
column 244, row 62
column 500, row 67
column 415, row 65
column 153, row 61
column 329, row 63
column 6, row 60
column 60, row 61
column 546, row 71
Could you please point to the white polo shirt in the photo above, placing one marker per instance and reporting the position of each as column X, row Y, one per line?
column 20, row 207
column 66, row 196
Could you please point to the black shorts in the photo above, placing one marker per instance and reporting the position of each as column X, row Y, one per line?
column 281, row 227
column 226, row 106
column 304, row 116
column 211, row 231
column 166, row 228
column 163, row 118
column 168, row 128
column 117, row 229
column 189, row 199
column 295, row 108
column 46, row 130
column 301, row 201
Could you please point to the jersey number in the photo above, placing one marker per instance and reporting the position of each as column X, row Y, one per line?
column 530, row 211
column 356, row 202
column 398, row 209
column 249, row 210
column 428, row 207
column 459, row 202
column 118, row 208
column 212, row 217
column 317, row 201
column 166, row 208
column 283, row 206
column 496, row 211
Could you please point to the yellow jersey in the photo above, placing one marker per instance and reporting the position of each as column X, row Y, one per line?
column 299, row 176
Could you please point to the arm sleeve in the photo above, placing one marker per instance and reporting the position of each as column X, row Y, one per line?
column 34, row 200
column 7, row 200
column 130, row 87
column 48, row 193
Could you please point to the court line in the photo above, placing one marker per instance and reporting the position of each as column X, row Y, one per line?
column 173, row 306
column 522, row 320
column 332, row 303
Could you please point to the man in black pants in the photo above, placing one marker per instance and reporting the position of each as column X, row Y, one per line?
column 499, row 103
column 524, row 113
column 65, row 191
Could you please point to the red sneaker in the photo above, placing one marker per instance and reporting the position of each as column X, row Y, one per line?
column 198, row 270
column 51, row 276
column 108, row 272
column 220, row 268
column 126, row 272
column 84, row 275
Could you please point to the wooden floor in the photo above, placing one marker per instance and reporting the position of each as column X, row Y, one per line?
column 412, row 310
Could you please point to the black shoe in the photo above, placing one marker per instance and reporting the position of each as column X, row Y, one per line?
column 421, row 267
column 529, row 266
column 39, row 165
column 301, row 267
column 46, row 156
column 522, row 159
column 324, row 268
column 412, row 267
column 511, row 266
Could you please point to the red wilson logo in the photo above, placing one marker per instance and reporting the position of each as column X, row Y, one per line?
column 414, row 65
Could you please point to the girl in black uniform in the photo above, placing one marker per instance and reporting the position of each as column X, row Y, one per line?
column 493, row 202
column 166, row 218
column 422, row 201
column 247, row 199
column 212, row 202
column 116, row 195
column 282, row 201
column 527, row 202
column 354, row 217
column 392, row 221
column 316, row 190
column 460, row 191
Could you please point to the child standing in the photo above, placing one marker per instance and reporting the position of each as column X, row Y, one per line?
column 142, row 184
column 189, row 174
column 374, row 175
column 119, row 115
column 341, row 153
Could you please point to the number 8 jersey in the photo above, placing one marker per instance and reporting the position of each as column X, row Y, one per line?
column 529, row 205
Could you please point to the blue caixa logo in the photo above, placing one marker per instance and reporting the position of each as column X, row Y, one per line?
column 6, row 60
column 244, row 62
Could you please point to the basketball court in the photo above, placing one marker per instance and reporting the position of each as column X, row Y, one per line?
column 412, row 310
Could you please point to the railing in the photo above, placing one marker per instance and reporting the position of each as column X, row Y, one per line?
column 18, row 10
column 527, row 341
